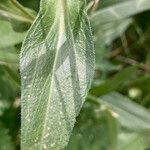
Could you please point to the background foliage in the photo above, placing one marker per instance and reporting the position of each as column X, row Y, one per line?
column 116, row 114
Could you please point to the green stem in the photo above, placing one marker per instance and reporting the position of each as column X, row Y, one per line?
column 93, row 99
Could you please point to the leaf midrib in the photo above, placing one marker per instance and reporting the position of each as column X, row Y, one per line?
column 60, row 12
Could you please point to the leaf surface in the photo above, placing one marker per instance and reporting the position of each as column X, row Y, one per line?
column 109, row 32
column 8, row 36
column 57, row 67
column 119, row 11
column 116, row 82
column 20, row 17
column 131, row 115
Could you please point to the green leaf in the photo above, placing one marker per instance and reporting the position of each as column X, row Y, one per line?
column 20, row 17
column 119, row 11
column 107, row 33
column 57, row 67
column 142, row 82
column 96, row 132
column 5, row 140
column 12, row 10
column 107, row 3
column 131, row 141
column 13, row 74
column 8, row 91
column 131, row 115
column 8, row 36
column 8, row 57
column 115, row 82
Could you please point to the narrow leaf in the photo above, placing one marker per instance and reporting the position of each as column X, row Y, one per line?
column 20, row 17
column 107, row 33
column 131, row 115
column 57, row 66
column 119, row 11
column 115, row 82
column 12, row 10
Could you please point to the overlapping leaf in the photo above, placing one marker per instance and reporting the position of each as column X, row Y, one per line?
column 57, row 66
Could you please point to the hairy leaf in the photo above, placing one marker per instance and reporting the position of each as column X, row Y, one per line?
column 57, row 66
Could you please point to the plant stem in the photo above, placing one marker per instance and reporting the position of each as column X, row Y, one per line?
column 133, row 62
column 93, row 100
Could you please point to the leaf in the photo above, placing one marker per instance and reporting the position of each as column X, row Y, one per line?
column 8, row 36
column 8, row 57
column 131, row 141
column 95, row 133
column 107, row 3
column 12, row 10
column 142, row 82
column 107, row 33
column 57, row 67
column 13, row 74
column 131, row 115
column 20, row 17
column 119, row 11
column 5, row 140
column 8, row 91
column 115, row 82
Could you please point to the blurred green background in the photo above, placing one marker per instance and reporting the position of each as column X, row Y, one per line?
column 116, row 114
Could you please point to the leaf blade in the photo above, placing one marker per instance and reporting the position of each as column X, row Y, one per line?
column 119, row 11
column 115, row 82
column 60, row 62
column 128, row 112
